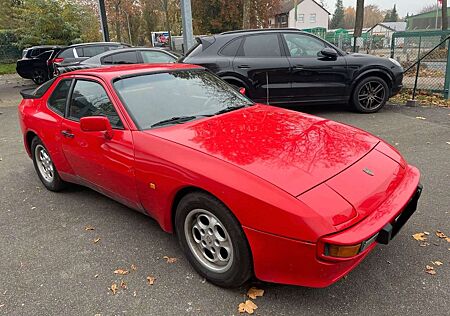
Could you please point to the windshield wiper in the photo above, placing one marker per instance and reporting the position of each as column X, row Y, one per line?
column 229, row 109
column 175, row 120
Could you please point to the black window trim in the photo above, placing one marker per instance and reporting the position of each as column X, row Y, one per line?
column 63, row 115
column 69, row 99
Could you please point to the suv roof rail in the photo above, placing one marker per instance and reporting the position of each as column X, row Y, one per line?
column 261, row 30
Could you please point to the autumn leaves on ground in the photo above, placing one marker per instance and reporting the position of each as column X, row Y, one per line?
column 426, row 239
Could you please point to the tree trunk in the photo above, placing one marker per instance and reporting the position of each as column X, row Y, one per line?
column 246, row 15
column 117, row 24
column 358, row 22
column 444, row 16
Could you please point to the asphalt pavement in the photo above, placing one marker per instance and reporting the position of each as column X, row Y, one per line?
column 51, row 265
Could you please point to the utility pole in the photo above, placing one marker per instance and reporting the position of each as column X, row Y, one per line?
column 103, row 20
column 188, row 33
column 444, row 15
column 358, row 22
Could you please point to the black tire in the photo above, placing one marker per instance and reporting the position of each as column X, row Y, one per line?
column 370, row 95
column 39, row 75
column 54, row 183
column 240, row 268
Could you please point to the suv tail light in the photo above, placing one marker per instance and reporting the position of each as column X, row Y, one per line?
column 58, row 60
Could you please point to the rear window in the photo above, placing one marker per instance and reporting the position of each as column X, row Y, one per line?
column 121, row 58
column 67, row 53
column 90, row 51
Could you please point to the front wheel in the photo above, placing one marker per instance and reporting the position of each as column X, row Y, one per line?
column 370, row 95
column 39, row 76
column 212, row 240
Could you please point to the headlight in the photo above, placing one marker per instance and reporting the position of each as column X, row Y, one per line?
column 395, row 62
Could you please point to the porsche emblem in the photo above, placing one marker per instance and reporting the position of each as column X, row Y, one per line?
column 368, row 171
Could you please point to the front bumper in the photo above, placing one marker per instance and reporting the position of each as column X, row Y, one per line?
column 283, row 260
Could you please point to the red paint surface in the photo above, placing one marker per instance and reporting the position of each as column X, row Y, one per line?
column 294, row 181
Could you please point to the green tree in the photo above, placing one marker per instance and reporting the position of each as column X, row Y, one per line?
column 338, row 17
column 391, row 15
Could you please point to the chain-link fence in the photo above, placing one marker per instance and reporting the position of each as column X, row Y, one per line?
column 8, row 52
column 424, row 56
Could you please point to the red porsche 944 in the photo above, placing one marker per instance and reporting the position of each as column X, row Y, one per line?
column 248, row 189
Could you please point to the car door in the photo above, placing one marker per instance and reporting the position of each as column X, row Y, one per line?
column 313, row 76
column 262, row 61
column 106, row 165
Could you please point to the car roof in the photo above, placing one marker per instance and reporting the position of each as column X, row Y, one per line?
column 111, row 72
column 45, row 46
column 96, row 58
column 97, row 43
column 260, row 30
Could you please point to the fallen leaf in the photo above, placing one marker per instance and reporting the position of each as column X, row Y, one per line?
column 437, row 263
column 123, row 285
column 247, row 307
column 134, row 293
column 448, row 239
column 133, row 267
column 170, row 259
column 440, row 234
column 151, row 280
column 96, row 276
column 430, row 270
column 419, row 236
column 121, row 271
column 448, row 143
column 113, row 288
column 96, row 240
column 426, row 233
column 89, row 227
column 420, row 118
column 254, row 292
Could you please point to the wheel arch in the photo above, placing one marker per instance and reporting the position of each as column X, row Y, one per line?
column 28, row 139
column 377, row 72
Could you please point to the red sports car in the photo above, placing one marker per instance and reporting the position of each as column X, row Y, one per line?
column 248, row 189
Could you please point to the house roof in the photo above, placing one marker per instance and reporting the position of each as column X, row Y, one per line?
column 288, row 5
column 433, row 12
column 393, row 26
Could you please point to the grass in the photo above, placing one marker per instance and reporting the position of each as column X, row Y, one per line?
column 7, row 68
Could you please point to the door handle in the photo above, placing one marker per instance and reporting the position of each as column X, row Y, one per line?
column 243, row 66
column 298, row 67
column 67, row 134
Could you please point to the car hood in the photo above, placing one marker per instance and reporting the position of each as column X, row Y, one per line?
column 292, row 150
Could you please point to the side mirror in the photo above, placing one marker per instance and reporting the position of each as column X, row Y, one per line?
column 329, row 52
column 242, row 91
column 97, row 124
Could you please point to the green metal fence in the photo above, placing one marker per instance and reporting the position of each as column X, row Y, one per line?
column 424, row 54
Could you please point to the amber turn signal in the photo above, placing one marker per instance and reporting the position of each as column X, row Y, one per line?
column 342, row 251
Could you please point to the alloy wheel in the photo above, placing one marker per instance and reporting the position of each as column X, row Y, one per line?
column 44, row 163
column 39, row 76
column 208, row 240
column 372, row 95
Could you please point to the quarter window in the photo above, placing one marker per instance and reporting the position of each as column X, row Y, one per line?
column 264, row 45
column 303, row 45
column 231, row 48
column 58, row 99
column 90, row 99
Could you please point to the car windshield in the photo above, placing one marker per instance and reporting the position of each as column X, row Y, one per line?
column 176, row 97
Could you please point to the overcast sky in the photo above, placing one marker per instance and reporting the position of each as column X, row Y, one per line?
column 403, row 6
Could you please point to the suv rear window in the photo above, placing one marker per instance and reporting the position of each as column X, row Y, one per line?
column 67, row 53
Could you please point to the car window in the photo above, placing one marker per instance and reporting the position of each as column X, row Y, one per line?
column 90, row 51
column 121, row 58
column 303, row 45
column 45, row 55
column 149, row 57
column 67, row 53
column 90, row 99
column 231, row 48
column 57, row 101
column 264, row 45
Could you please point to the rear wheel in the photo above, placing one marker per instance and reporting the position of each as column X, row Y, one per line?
column 39, row 76
column 44, row 166
column 212, row 240
column 370, row 95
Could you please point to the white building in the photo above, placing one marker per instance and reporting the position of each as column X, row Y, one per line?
column 309, row 14
column 386, row 29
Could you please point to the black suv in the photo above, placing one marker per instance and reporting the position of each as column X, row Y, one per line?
column 74, row 54
column 36, row 63
column 287, row 66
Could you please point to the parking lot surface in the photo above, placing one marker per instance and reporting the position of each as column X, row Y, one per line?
column 50, row 264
